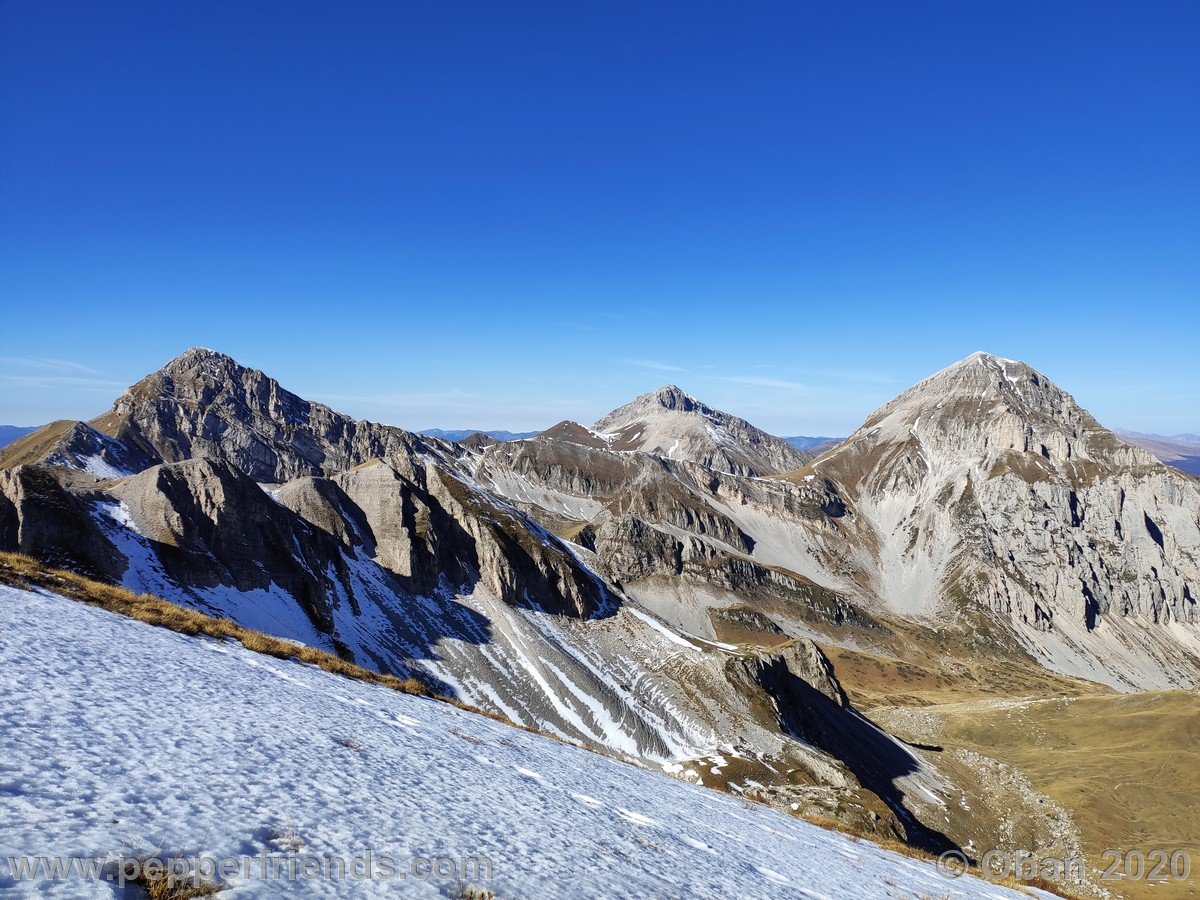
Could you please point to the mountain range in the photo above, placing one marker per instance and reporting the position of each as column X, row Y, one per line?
column 9, row 433
column 671, row 584
column 1182, row 451
column 813, row 445
column 461, row 434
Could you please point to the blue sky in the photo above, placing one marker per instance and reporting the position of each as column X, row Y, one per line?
column 500, row 215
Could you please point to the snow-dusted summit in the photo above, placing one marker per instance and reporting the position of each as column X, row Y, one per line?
column 674, row 424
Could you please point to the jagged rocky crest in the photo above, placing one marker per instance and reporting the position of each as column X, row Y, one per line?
column 204, row 403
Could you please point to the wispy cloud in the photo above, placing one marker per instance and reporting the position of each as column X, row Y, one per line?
column 758, row 381
column 104, row 385
column 42, row 372
column 653, row 364
column 46, row 364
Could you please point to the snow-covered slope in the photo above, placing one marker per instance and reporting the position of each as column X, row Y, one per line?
column 115, row 734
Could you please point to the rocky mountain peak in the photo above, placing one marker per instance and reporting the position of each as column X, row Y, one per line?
column 205, row 403
column 195, row 355
column 201, row 366
column 991, row 440
column 672, row 423
column 985, row 404
column 986, row 380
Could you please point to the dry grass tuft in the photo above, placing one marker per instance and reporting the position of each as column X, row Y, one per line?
column 159, row 882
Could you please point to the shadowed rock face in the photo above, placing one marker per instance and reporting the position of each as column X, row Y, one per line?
column 431, row 530
column 41, row 517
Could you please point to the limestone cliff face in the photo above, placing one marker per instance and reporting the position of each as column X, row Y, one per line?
column 987, row 485
column 209, row 526
column 433, row 531
column 40, row 515
column 777, row 672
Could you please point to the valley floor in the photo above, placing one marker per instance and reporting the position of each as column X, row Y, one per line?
column 1126, row 766
column 116, row 736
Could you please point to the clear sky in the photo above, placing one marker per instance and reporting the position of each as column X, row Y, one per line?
column 500, row 215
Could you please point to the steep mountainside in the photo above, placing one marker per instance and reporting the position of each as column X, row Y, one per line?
column 408, row 563
column 988, row 485
column 203, row 403
column 76, row 445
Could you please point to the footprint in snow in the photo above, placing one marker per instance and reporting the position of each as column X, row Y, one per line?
column 529, row 773
column 584, row 798
column 635, row 818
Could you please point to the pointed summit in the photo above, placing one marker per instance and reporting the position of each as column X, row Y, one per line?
column 983, row 411
column 204, row 403
column 672, row 423
column 201, row 362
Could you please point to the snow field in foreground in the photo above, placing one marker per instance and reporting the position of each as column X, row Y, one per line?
column 115, row 733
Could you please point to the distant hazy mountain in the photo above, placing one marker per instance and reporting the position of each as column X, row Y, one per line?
column 814, row 445
column 674, row 424
column 9, row 433
column 1179, row 450
column 459, row 434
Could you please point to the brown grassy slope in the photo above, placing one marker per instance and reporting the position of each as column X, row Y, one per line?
column 33, row 447
column 925, row 676
column 1127, row 767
